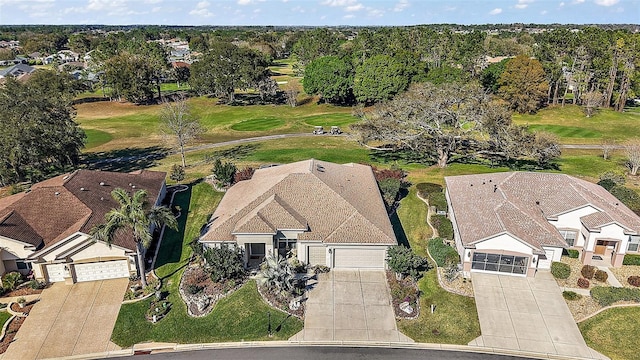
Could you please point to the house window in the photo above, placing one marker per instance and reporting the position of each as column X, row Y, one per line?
column 285, row 245
column 634, row 242
column 23, row 265
column 569, row 236
column 500, row 263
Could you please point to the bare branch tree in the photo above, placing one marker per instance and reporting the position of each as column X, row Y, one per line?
column 591, row 101
column 632, row 148
column 291, row 91
column 608, row 145
column 178, row 124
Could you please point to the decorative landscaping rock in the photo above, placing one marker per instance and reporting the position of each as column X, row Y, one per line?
column 406, row 307
column 158, row 310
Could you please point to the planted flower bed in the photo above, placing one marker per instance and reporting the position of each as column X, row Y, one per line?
column 158, row 309
column 404, row 296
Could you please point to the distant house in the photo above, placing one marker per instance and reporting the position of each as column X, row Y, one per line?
column 326, row 213
column 17, row 70
column 46, row 229
column 62, row 56
column 518, row 222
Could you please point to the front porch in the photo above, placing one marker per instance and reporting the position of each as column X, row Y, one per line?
column 605, row 253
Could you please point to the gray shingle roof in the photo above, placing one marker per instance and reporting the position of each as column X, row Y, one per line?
column 522, row 203
column 335, row 203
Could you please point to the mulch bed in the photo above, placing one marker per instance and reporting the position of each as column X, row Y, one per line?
column 281, row 302
column 12, row 329
column 207, row 292
column 23, row 291
column 403, row 290
column 15, row 307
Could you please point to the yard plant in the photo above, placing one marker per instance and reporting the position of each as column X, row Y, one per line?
column 560, row 270
column 606, row 296
column 443, row 254
column 405, row 262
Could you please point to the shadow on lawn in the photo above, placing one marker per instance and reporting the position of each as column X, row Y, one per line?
column 124, row 160
column 170, row 250
column 399, row 230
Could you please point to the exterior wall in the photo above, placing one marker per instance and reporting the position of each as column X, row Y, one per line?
column 301, row 249
column 266, row 239
column 501, row 244
column 13, row 249
column 571, row 221
column 100, row 250
column 609, row 232
column 556, row 255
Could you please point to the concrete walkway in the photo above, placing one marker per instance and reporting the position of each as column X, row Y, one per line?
column 70, row 320
column 527, row 314
column 350, row 305
column 611, row 279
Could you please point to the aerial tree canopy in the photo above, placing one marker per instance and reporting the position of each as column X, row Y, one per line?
column 523, row 84
column 379, row 78
column 330, row 77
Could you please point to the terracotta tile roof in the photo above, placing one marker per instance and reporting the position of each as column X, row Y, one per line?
column 335, row 203
column 58, row 207
column 522, row 203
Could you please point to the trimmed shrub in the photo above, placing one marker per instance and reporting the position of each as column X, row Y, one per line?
column 438, row 200
column 441, row 253
column 10, row 281
column 606, row 295
column 560, row 270
column 224, row 172
column 390, row 188
column 571, row 295
column 404, row 261
column 631, row 259
column 608, row 184
column 627, row 196
column 601, row 276
column 588, row 271
column 224, row 263
column 443, row 225
column 583, row 283
column 574, row 254
column 634, row 280
column 424, row 189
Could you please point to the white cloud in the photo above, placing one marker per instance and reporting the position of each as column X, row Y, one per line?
column 606, row 2
column 201, row 9
column 523, row 4
column 152, row 1
column 401, row 5
column 562, row 4
column 350, row 16
column 356, row 7
column 575, row 2
column 375, row 13
column 450, row 8
column 495, row 11
column 543, row 12
column 156, row 9
column 339, row 3
column 244, row 2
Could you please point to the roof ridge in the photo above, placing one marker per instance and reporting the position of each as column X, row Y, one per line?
column 341, row 224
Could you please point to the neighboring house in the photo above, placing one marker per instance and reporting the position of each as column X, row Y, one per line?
column 17, row 70
column 46, row 229
column 517, row 222
column 328, row 214
column 62, row 56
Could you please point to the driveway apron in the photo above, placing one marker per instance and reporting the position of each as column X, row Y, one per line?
column 350, row 305
column 69, row 320
column 527, row 314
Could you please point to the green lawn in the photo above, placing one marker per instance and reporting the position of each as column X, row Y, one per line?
column 610, row 332
column 258, row 124
column 241, row 316
column 456, row 317
column 572, row 127
column 4, row 316
column 96, row 138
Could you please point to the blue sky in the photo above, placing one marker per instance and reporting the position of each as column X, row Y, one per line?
column 316, row 12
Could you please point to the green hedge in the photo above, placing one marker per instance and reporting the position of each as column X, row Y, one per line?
column 438, row 200
column 574, row 254
column 560, row 270
column 443, row 225
column 631, row 259
column 424, row 189
column 441, row 253
column 606, row 296
column 627, row 196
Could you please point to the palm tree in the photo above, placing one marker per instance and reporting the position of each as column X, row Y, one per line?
column 133, row 215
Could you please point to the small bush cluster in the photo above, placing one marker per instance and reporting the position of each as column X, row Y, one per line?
column 243, row 174
column 224, row 172
column 634, row 280
column 628, row 197
column 443, row 225
column 588, row 271
column 438, row 200
column 583, row 283
column 441, row 253
column 601, row 276
column 631, row 259
column 571, row 295
column 390, row 181
column 402, row 290
column 574, row 254
column 424, row 189
column 224, row 263
column 404, row 261
column 606, row 295
column 10, row 281
column 560, row 270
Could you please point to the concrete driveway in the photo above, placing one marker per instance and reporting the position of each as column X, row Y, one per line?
column 527, row 314
column 70, row 320
column 350, row 305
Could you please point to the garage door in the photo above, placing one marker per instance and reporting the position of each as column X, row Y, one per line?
column 359, row 258
column 505, row 264
column 102, row 270
column 55, row 272
column 317, row 255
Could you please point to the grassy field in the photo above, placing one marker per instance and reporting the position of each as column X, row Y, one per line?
column 572, row 127
column 4, row 316
column 610, row 333
column 241, row 316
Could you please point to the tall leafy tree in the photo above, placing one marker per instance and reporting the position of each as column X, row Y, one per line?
column 315, row 44
column 523, row 84
column 130, row 76
column 330, row 77
column 136, row 216
column 38, row 134
column 379, row 78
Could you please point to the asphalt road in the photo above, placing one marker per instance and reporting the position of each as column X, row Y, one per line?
column 321, row 353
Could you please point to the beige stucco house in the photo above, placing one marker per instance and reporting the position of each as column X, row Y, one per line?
column 46, row 229
column 328, row 214
column 518, row 222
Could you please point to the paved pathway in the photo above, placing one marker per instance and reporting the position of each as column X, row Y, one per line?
column 527, row 314
column 70, row 320
column 350, row 305
column 611, row 279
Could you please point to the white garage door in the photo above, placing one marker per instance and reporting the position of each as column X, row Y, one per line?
column 102, row 270
column 317, row 255
column 359, row 258
column 55, row 272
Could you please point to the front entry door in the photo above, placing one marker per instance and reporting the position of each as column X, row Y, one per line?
column 601, row 247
